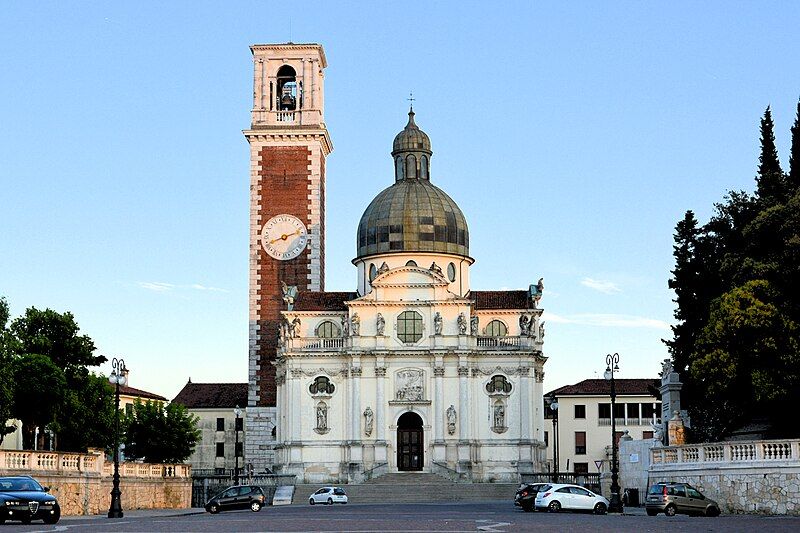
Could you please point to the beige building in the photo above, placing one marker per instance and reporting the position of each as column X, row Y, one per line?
column 215, row 404
column 584, row 421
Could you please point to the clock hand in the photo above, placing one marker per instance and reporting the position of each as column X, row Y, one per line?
column 284, row 237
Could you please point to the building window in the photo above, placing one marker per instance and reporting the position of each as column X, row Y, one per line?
column 580, row 411
column 633, row 411
column 128, row 409
column 498, row 384
column 411, row 263
column 328, row 330
column 619, row 411
column 451, row 272
column 220, row 449
column 546, row 439
column 495, row 328
column 604, row 411
column 321, row 385
column 220, row 424
column 239, row 449
column 580, row 443
column 373, row 272
column 646, row 435
column 409, row 326
column 581, row 468
column 649, row 411
column 239, row 424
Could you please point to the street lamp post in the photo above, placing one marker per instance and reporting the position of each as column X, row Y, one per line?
column 119, row 376
column 554, row 408
column 612, row 367
column 238, row 413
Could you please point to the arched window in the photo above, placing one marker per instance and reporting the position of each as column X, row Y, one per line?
column 328, row 330
column 411, row 167
column 409, row 326
column 287, row 89
column 321, row 385
column 498, row 383
column 399, row 171
column 411, row 263
column 495, row 328
column 423, row 171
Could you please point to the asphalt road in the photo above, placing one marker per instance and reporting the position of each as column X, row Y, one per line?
column 490, row 516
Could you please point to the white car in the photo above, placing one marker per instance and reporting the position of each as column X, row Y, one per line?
column 328, row 495
column 561, row 496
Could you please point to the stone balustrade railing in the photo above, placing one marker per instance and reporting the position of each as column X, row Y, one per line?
column 732, row 452
column 44, row 462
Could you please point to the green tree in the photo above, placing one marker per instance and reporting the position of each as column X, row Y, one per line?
column 39, row 391
column 86, row 417
column 770, row 179
column 160, row 434
column 6, row 377
column 794, row 153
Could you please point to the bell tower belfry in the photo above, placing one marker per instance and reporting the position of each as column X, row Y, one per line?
column 288, row 146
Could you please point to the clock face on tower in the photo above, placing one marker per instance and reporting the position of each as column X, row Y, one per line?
column 284, row 237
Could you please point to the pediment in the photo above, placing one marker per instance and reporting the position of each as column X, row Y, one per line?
column 409, row 276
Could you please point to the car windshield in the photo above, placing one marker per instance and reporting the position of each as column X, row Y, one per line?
column 15, row 485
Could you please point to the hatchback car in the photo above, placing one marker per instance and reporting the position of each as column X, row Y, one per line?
column 238, row 497
column 328, row 495
column 526, row 495
column 674, row 498
column 23, row 498
column 558, row 496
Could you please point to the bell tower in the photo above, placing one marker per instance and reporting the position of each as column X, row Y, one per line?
column 288, row 146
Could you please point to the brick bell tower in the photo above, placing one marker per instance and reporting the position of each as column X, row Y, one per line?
column 288, row 146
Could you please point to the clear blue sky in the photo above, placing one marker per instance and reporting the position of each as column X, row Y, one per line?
column 573, row 138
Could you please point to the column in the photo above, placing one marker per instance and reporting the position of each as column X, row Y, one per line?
column 525, row 406
column 355, row 373
column 463, row 399
column 380, row 404
column 306, row 83
column 258, row 81
column 440, row 416
column 313, row 92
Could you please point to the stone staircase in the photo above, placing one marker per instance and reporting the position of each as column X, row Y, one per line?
column 415, row 487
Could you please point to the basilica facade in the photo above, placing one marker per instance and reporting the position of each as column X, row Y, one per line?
column 411, row 371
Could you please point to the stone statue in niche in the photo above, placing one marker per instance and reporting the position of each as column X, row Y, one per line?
column 345, row 327
column 473, row 325
column 499, row 416
column 368, row 421
column 322, row 416
column 282, row 334
column 462, row 324
column 524, row 326
column 380, row 324
column 409, row 385
column 355, row 324
column 294, row 327
column 451, row 420
column 437, row 323
column 541, row 331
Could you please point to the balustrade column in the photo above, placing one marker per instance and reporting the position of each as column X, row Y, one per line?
column 438, row 428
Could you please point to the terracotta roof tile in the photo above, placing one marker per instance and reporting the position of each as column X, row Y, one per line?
column 199, row 395
column 323, row 301
column 139, row 393
column 601, row 386
column 500, row 299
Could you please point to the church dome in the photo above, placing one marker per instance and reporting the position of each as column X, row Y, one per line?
column 412, row 215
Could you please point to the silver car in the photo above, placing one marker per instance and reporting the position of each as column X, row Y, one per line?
column 674, row 498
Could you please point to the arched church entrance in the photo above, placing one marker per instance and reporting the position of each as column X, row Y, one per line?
column 410, row 445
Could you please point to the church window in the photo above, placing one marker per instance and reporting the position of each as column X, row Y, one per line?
column 373, row 271
column 328, row 330
column 495, row 328
column 409, row 326
column 498, row 383
column 399, row 168
column 451, row 272
column 426, row 220
column 424, row 167
column 287, row 89
column 321, row 385
column 411, row 167
column 411, row 263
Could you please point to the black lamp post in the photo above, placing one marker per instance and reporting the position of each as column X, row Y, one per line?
column 612, row 366
column 119, row 376
column 554, row 408
column 238, row 413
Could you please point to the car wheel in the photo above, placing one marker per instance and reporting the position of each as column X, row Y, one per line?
column 652, row 512
column 330, row 501
column 600, row 508
column 255, row 506
column 311, row 501
column 554, row 506
column 213, row 508
column 670, row 510
column 712, row 511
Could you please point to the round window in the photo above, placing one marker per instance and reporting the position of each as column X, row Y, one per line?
column 411, row 263
column 373, row 272
column 451, row 272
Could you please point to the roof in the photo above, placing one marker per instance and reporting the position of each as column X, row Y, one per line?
column 210, row 395
column 139, row 393
column 500, row 299
column 323, row 301
column 592, row 387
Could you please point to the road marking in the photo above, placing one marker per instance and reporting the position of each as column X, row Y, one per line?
column 492, row 526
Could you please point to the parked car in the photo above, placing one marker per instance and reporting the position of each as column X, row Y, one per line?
column 674, row 498
column 328, row 495
column 558, row 496
column 23, row 498
column 237, row 497
column 526, row 495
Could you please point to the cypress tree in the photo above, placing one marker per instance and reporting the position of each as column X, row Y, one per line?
column 794, row 157
column 770, row 179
